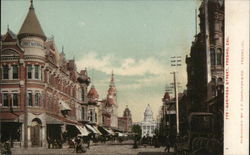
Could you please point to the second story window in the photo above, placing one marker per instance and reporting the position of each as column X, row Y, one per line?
column 15, row 100
column 30, row 99
column 36, row 72
column 29, row 71
column 36, row 99
column 5, row 72
column 15, row 72
column 5, row 99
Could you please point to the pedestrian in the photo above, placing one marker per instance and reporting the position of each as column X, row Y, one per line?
column 49, row 142
column 167, row 144
column 6, row 148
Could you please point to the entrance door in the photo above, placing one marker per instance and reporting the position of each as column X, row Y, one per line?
column 35, row 133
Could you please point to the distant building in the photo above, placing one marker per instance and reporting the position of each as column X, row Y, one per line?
column 125, row 122
column 92, row 107
column 148, row 125
column 108, row 108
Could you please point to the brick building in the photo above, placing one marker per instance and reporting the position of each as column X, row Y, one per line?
column 42, row 95
column 125, row 122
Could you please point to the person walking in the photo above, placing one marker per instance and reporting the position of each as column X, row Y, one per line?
column 167, row 144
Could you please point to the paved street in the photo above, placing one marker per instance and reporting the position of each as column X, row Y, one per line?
column 100, row 149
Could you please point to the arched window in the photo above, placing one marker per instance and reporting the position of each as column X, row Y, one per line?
column 219, row 57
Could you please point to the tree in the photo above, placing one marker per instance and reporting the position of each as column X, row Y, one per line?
column 136, row 129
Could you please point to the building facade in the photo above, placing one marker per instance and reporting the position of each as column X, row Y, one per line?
column 125, row 122
column 42, row 94
column 148, row 125
column 205, row 65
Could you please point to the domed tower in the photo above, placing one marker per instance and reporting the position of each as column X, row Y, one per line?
column 31, row 36
column 148, row 114
column 112, row 102
column 127, row 113
column 93, row 95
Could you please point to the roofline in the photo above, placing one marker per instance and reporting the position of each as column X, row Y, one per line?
column 22, row 35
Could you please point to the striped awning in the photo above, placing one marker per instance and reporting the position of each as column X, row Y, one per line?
column 91, row 128
column 97, row 130
column 83, row 130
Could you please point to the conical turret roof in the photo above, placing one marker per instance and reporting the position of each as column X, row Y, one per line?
column 31, row 25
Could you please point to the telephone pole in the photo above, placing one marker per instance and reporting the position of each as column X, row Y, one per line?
column 175, row 62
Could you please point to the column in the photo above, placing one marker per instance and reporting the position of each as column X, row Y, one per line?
column 44, row 136
column 32, row 72
column 22, row 135
column 29, row 136
column 10, row 72
column 42, row 74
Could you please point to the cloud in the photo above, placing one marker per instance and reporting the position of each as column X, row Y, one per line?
column 82, row 23
column 123, row 67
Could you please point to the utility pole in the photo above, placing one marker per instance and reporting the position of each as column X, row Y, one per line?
column 207, row 39
column 175, row 62
column 25, row 121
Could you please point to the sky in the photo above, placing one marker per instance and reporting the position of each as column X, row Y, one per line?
column 134, row 38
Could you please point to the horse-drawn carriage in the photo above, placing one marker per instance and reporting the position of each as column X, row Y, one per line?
column 201, row 138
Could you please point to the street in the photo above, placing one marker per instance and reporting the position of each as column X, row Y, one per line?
column 99, row 149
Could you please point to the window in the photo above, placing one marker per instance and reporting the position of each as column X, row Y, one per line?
column 5, row 72
column 83, row 114
column 5, row 99
column 212, row 54
column 15, row 72
column 36, row 72
column 29, row 71
column 30, row 99
column 213, row 91
column 15, row 100
column 219, row 58
column 91, row 116
column 37, row 99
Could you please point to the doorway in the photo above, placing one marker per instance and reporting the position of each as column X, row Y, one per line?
column 35, row 132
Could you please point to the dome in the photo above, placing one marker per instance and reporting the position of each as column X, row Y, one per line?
column 92, row 94
column 148, row 114
column 166, row 97
column 31, row 25
column 127, row 112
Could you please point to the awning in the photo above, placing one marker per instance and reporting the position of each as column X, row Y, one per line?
column 83, row 130
column 120, row 134
column 52, row 120
column 11, row 117
column 64, row 106
column 97, row 130
column 91, row 128
column 109, row 131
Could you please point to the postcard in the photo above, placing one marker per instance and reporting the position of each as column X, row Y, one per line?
column 124, row 77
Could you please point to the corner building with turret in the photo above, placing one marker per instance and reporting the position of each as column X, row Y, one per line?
column 42, row 98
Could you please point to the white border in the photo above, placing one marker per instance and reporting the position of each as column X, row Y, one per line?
column 236, row 108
